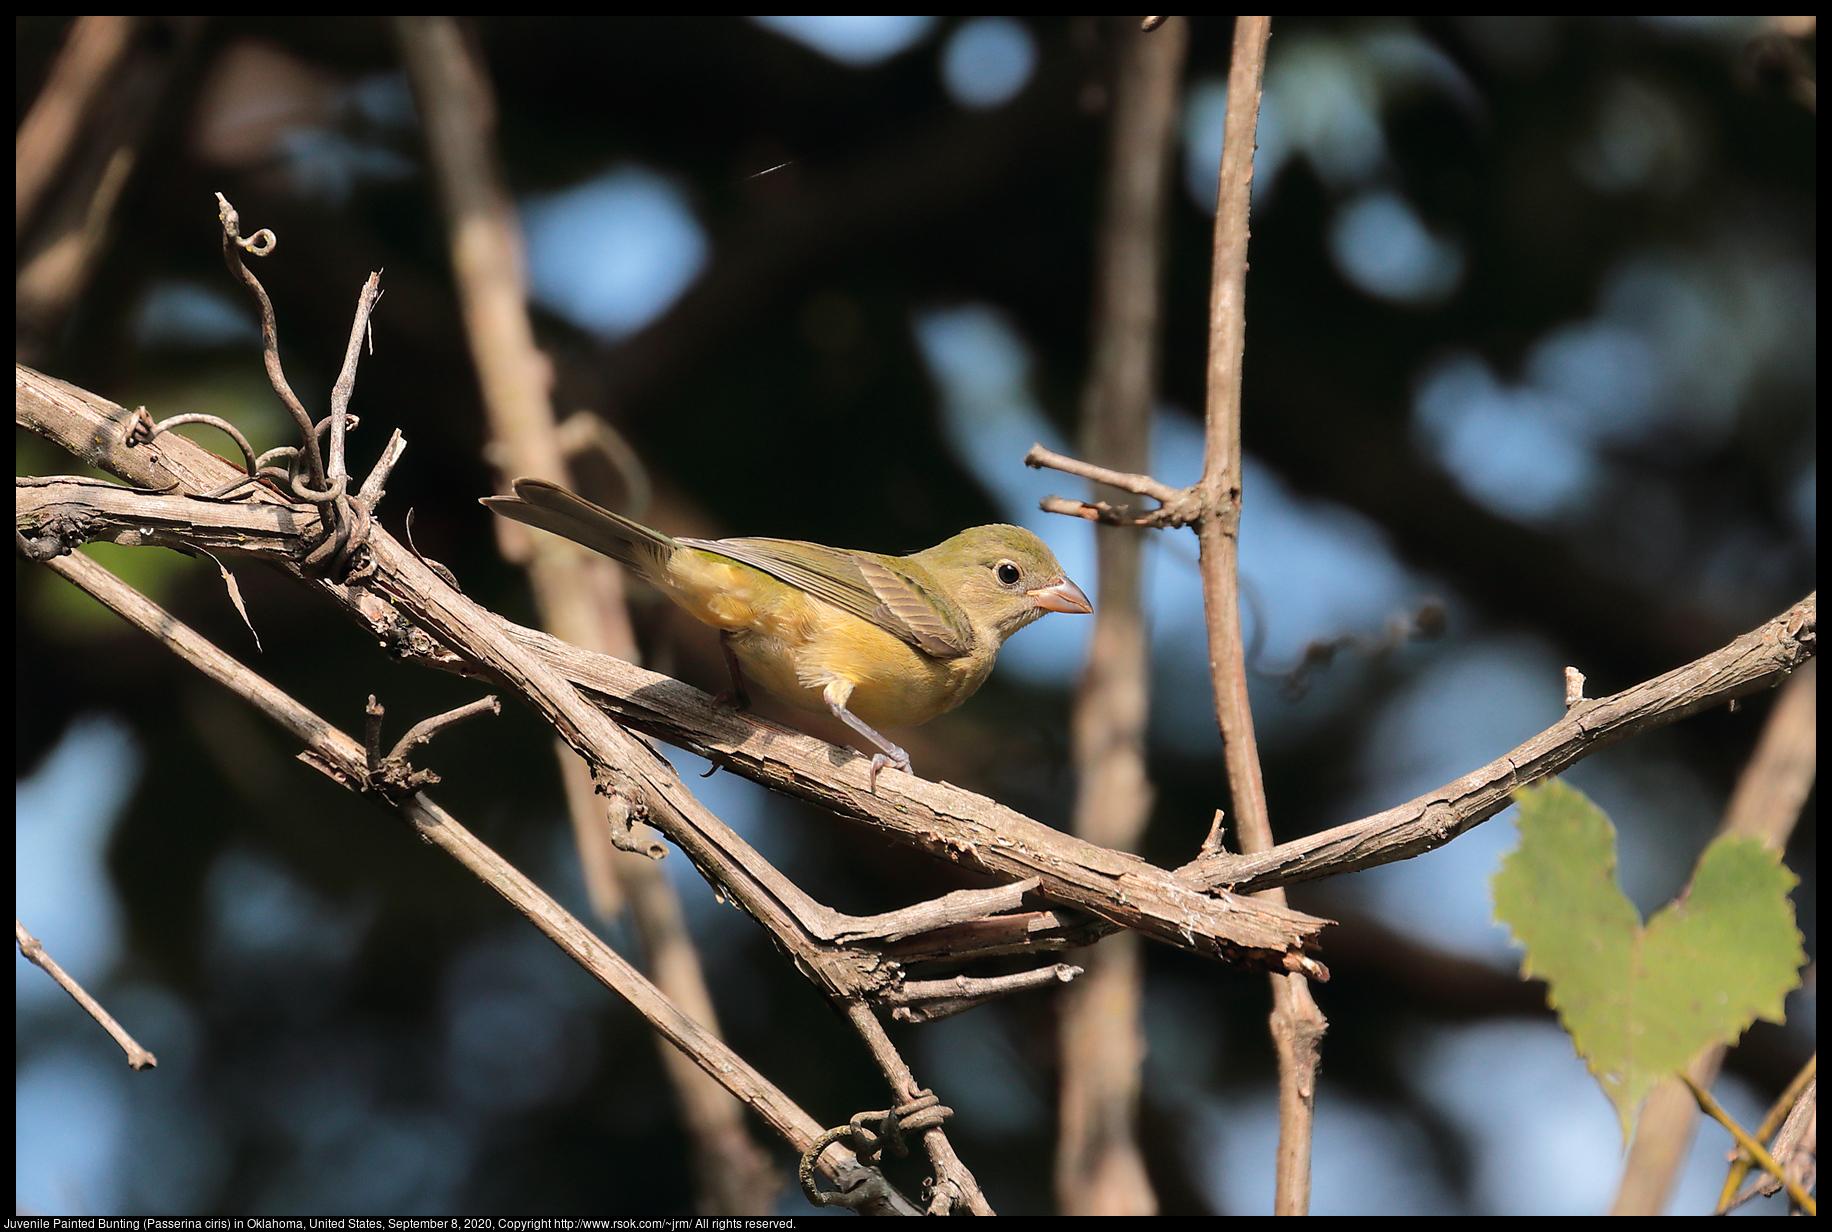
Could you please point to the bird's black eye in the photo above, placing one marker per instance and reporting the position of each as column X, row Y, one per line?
column 1006, row 572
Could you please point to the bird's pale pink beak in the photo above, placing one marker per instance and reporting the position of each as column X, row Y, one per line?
column 1060, row 596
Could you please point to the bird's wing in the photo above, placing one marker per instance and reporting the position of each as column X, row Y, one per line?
column 897, row 600
column 937, row 625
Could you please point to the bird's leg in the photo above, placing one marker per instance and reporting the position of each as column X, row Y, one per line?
column 738, row 696
column 836, row 695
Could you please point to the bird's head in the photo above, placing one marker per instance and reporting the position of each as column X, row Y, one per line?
column 1004, row 577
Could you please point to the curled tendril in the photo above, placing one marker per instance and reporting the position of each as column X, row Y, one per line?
column 215, row 421
column 305, row 492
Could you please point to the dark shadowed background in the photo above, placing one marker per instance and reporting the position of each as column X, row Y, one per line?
column 1531, row 339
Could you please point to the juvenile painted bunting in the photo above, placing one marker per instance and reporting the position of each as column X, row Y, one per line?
column 874, row 639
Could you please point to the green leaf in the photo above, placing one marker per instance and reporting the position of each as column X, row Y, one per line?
column 1639, row 1001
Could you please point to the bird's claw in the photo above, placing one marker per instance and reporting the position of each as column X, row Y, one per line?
column 880, row 760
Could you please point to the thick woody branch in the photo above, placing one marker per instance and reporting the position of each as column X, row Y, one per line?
column 410, row 607
column 961, row 826
column 579, row 596
column 1760, row 659
column 345, row 761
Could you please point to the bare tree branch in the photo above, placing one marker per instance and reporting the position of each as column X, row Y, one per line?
column 417, row 614
column 1100, row 1169
column 1297, row 1024
column 950, row 823
column 34, row 951
column 1760, row 659
column 1765, row 805
column 579, row 595
column 85, row 143
column 91, row 55
column 345, row 761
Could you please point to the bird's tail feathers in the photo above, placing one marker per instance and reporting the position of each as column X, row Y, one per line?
column 551, row 507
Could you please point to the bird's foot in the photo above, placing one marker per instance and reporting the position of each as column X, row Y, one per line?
column 891, row 756
column 896, row 757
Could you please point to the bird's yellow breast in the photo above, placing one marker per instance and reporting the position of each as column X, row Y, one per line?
column 794, row 645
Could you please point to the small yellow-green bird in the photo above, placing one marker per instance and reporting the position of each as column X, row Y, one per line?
column 892, row 640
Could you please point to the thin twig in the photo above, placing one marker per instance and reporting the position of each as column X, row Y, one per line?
column 933, row 1000
column 1765, row 805
column 34, row 951
column 1755, row 1150
column 346, row 377
column 945, row 821
column 1143, row 485
column 261, row 244
column 1177, row 506
column 1760, row 659
column 1297, row 1024
column 370, row 494
column 215, row 421
column 344, row 760
column 426, row 729
column 1779, row 1114
column 580, row 597
column 1794, row 1143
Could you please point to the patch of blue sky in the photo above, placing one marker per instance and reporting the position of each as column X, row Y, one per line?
column 1512, row 449
column 64, row 813
column 1674, row 349
column 1323, row 96
column 1731, row 31
column 1602, row 376
column 614, row 253
column 745, row 807
column 1803, row 502
column 1642, row 139
column 70, row 1113
column 1715, row 322
column 1382, row 246
column 1367, row 1160
column 518, row 1023
column 1462, row 710
column 174, row 1153
column 994, row 1086
column 855, row 41
column 185, row 314
column 991, row 418
column 1323, row 102
column 260, row 912
column 1319, row 570
column 1543, row 1138
column 328, row 165
column 987, row 61
column 409, row 1162
column 1310, row 569
column 1185, row 1041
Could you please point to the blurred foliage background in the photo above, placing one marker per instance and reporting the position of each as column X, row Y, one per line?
column 1531, row 348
